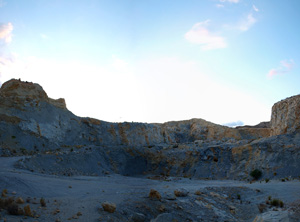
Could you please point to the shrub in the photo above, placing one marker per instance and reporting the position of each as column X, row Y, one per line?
column 281, row 203
column 19, row 200
column 256, row 174
column 238, row 196
column 4, row 193
column 154, row 194
column 198, row 192
column 43, row 202
column 27, row 211
column 262, row 207
column 5, row 203
column 267, row 180
column 13, row 209
column 277, row 203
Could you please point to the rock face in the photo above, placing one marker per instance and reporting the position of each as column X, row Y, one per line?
column 35, row 125
column 30, row 120
column 286, row 116
column 26, row 91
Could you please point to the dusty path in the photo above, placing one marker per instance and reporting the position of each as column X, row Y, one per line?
column 85, row 194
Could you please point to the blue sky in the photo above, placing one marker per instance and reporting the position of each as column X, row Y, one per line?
column 224, row 61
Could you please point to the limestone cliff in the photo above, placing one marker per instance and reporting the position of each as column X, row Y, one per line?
column 26, row 92
column 286, row 116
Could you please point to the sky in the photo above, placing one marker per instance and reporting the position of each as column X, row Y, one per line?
column 225, row 61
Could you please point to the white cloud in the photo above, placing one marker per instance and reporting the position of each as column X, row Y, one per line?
column 44, row 36
column 119, row 64
column 255, row 8
column 247, row 22
column 6, row 32
column 199, row 34
column 284, row 67
column 219, row 6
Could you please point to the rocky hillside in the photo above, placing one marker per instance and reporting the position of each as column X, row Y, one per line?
column 31, row 123
column 31, row 120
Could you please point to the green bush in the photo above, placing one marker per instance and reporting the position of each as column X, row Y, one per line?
column 276, row 203
column 43, row 202
column 256, row 174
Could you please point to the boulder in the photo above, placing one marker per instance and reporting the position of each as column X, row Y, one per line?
column 181, row 192
column 109, row 207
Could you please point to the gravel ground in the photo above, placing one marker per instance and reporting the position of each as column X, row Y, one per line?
column 80, row 198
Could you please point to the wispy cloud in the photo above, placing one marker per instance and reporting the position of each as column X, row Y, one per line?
column 44, row 36
column 284, row 67
column 6, row 32
column 255, row 8
column 2, row 3
column 219, row 6
column 199, row 34
column 6, row 62
column 246, row 23
column 231, row 1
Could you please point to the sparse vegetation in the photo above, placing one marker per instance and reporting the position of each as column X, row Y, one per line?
column 274, row 202
column 267, row 180
column 11, row 206
column 256, row 174
column 43, row 202
column 27, row 211
column 238, row 196
column 19, row 200
column 13, row 209
column 4, row 193
column 262, row 207
column 154, row 194
column 198, row 192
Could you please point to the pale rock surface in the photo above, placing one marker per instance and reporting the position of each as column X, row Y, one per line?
column 286, row 116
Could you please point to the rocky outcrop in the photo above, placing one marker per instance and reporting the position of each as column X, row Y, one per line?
column 286, row 116
column 31, row 123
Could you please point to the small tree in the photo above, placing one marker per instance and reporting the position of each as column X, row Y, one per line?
column 256, row 174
